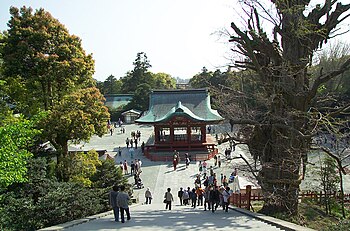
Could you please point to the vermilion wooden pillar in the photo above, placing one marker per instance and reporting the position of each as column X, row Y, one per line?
column 204, row 134
column 189, row 134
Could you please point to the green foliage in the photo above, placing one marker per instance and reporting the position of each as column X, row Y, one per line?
column 329, row 176
column 312, row 215
column 208, row 79
column 329, row 59
column 62, row 202
column 42, row 61
column 202, row 79
column 43, row 202
column 162, row 81
column 81, row 166
column 111, row 85
column 138, row 75
column 140, row 99
column 140, row 82
column 76, row 118
column 329, row 181
column 341, row 225
column 107, row 175
column 116, row 113
column 15, row 138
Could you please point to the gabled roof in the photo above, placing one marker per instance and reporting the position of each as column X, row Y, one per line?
column 117, row 100
column 192, row 103
column 132, row 111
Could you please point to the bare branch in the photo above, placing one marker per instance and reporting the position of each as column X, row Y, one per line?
column 250, row 167
column 335, row 157
column 244, row 121
column 326, row 77
column 340, row 111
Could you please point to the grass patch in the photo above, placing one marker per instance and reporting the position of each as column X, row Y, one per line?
column 312, row 215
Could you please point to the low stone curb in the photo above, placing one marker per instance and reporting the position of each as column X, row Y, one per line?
column 79, row 221
column 284, row 225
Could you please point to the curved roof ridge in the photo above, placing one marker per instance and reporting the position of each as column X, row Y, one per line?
column 184, row 111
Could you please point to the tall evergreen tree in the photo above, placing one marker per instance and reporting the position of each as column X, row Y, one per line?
column 139, row 75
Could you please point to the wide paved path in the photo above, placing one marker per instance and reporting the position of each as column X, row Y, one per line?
column 154, row 217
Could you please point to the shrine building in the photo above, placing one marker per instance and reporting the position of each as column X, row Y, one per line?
column 181, row 119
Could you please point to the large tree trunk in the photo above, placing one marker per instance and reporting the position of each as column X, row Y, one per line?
column 280, row 154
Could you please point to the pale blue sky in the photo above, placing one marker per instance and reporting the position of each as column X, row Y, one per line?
column 178, row 36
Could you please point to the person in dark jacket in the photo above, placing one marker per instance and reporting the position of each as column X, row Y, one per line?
column 214, row 198
column 113, row 202
column 194, row 198
column 179, row 194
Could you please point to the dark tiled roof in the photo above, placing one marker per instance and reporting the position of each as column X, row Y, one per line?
column 117, row 100
column 191, row 103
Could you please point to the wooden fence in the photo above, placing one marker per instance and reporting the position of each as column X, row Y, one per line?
column 243, row 200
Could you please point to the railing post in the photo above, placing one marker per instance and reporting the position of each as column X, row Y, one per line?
column 248, row 194
column 240, row 200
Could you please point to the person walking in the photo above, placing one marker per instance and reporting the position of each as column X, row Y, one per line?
column 200, row 167
column 197, row 182
column 122, row 202
column 180, row 194
column 131, row 151
column 206, row 199
column 200, row 192
column 132, row 168
column 135, row 141
column 174, row 163
column 127, row 142
column 143, row 147
column 119, row 151
column 226, row 195
column 125, row 166
column 113, row 202
column 194, row 198
column 148, row 196
column 214, row 199
column 187, row 161
column 185, row 197
column 204, row 164
column 168, row 199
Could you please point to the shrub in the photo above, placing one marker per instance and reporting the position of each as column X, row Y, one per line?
column 107, row 175
column 43, row 201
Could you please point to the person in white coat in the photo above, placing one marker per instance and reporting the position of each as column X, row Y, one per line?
column 226, row 196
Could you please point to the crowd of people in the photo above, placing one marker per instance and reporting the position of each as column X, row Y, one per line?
column 208, row 190
column 135, row 170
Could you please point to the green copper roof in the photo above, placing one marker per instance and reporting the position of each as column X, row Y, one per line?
column 193, row 104
column 117, row 100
